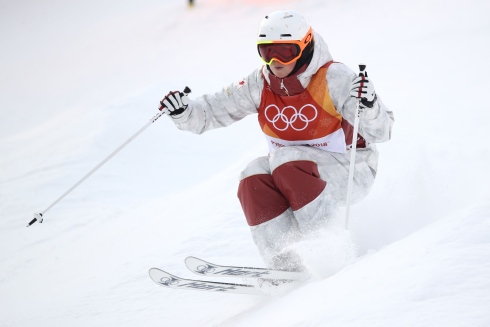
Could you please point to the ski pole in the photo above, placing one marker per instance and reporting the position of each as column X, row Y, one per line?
column 362, row 67
column 39, row 216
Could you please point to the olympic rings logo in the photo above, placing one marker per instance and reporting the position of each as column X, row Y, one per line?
column 290, row 117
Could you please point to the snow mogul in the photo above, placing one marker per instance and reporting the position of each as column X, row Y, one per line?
column 306, row 105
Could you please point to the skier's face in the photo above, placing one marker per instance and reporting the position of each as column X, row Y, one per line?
column 281, row 70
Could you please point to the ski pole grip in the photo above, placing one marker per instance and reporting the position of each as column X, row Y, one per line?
column 362, row 68
column 187, row 90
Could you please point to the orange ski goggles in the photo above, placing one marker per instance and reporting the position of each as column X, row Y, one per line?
column 283, row 51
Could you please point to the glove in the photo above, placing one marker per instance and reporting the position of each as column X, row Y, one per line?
column 363, row 89
column 175, row 102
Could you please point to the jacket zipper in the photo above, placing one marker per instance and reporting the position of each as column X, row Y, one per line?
column 284, row 88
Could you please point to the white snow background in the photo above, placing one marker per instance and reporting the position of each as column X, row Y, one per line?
column 78, row 78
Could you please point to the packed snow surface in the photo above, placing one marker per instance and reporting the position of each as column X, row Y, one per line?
column 79, row 78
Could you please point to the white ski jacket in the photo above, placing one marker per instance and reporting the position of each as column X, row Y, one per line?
column 240, row 99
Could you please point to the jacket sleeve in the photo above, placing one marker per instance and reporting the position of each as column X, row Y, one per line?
column 375, row 123
column 223, row 108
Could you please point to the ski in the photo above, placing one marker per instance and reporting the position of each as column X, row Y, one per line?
column 263, row 281
column 167, row 280
column 204, row 268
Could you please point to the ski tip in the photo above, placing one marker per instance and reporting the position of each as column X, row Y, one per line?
column 190, row 261
column 156, row 271
column 152, row 271
column 156, row 274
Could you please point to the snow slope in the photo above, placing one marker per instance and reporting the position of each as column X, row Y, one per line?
column 78, row 79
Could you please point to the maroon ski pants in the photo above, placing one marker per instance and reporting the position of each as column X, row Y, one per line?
column 292, row 185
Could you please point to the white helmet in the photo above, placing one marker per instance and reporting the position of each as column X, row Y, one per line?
column 283, row 25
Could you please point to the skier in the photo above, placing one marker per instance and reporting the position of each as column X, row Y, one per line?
column 306, row 106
